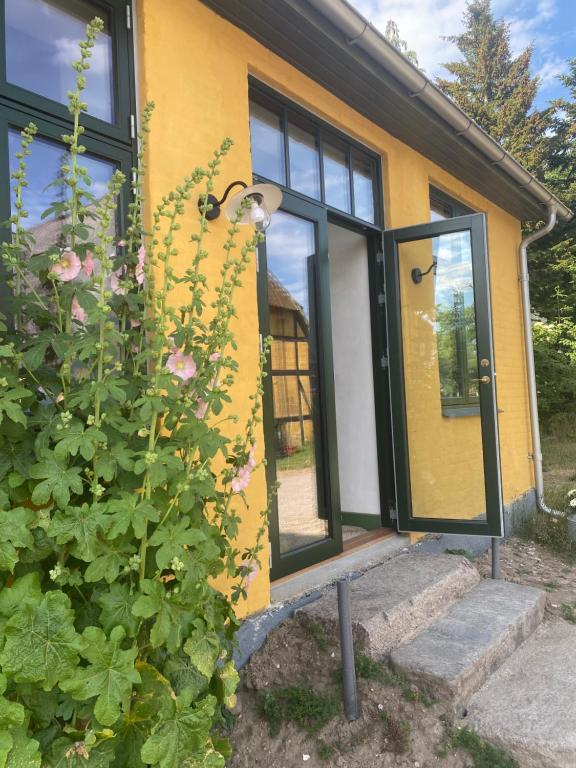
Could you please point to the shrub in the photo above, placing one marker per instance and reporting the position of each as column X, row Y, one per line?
column 119, row 487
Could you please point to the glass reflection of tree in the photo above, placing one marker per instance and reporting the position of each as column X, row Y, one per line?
column 456, row 341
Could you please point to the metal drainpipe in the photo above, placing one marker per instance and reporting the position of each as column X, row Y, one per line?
column 529, row 347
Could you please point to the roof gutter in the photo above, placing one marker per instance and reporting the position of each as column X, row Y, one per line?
column 524, row 278
column 360, row 32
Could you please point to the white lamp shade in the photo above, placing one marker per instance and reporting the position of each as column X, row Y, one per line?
column 271, row 200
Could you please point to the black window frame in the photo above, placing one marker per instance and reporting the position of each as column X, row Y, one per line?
column 289, row 111
column 112, row 142
column 465, row 405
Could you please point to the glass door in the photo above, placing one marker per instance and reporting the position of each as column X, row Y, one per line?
column 442, row 378
column 299, row 423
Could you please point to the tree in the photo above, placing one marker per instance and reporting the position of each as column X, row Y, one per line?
column 496, row 89
column 392, row 34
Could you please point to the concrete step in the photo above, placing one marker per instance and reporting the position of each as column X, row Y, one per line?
column 458, row 652
column 393, row 602
column 528, row 706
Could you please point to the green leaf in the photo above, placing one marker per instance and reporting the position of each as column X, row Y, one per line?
column 74, row 439
column 173, row 615
column 41, row 642
column 116, row 607
column 109, row 675
column 171, row 540
column 177, row 738
column 6, row 742
column 111, row 557
column 69, row 753
column 128, row 510
column 35, row 354
column 227, row 679
column 80, row 525
column 25, row 588
column 59, row 481
column 11, row 713
column 14, row 533
column 203, row 648
column 25, row 751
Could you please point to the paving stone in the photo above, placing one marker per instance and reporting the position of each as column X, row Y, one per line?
column 393, row 602
column 528, row 707
column 457, row 653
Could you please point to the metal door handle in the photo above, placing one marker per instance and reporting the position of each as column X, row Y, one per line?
column 483, row 379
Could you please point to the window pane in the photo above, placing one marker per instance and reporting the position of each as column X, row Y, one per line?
column 362, row 174
column 336, row 177
column 290, row 254
column 43, row 167
column 304, row 162
column 42, row 39
column 267, row 142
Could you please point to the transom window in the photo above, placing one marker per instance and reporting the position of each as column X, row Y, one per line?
column 296, row 151
column 455, row 317
column 39, row 45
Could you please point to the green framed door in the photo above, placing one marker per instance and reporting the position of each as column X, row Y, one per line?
column 299, row 406
column 442, row 378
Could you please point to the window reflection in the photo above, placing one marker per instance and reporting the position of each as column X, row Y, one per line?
column 336, row 177
column 362, row 175
column 42, row 38
column 267, row 142
column 304, row 162
column 290, row 254
column 43, row 167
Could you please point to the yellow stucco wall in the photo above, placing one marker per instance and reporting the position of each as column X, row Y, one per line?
column 195, row 66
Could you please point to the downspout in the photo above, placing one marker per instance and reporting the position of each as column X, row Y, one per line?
column 529, row 347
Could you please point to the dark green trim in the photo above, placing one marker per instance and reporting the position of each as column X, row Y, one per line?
column 493, row 526
column 320, row 340
column 452, row 207
column 369, row 522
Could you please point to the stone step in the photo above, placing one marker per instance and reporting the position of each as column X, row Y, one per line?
column 458, row 652
column 528, row 706
column 394, row 601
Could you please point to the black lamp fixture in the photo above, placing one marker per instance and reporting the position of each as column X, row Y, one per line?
column 417, row 274
column 264, row 199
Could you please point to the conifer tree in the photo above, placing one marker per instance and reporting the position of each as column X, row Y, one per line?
column 497, row 89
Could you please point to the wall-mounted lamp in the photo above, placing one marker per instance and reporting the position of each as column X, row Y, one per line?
column 418, row 275
column 264, row 200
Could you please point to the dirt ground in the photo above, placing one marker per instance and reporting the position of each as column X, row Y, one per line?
column 398, row 727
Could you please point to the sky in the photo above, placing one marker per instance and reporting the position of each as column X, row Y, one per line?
column 550, row 25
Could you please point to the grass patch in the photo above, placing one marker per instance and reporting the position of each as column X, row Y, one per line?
column 462, row 552
column 368, row 669
column 568, row 612
column 324, row 750
column 550, row 586
column 300, row 705
column 397, row 732
column 551, row 533
column 483, row 755
column 318, row 634
column 302, row 458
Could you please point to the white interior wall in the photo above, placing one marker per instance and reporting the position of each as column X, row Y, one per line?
column 353, row 373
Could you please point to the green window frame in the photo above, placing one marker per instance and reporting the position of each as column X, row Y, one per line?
column 113, row 142
column 443, row 207
column 359, row 163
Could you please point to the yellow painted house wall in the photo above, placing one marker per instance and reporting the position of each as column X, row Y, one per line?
column 195, row 66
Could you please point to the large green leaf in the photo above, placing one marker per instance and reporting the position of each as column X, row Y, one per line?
column 67, row 753
column 173, row 615
column 172, row 538
column 111, row 557
column 11, row 713
column 116, row 607
column 25, row 751
column 80, row 525
column 41, row 642
column 58, row 480
column 128, row 511
column 203, row 648
column 25, row 588
column 178, row 737
column 75, row 439
column 14, row 533
column 109, row 675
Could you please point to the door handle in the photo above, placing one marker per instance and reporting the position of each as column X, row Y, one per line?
column 483, row 380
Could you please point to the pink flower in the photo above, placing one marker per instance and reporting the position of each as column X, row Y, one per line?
column 214, row 356
column 201, row 408
column 121, row 243
column 254, row 571
column 240, row 482
column 252, row 457
column 134, row 323
column 139, row 272
column 115, row 276
column 77, row 312
column 68, row 266
column 88, row 265
column 181, row 365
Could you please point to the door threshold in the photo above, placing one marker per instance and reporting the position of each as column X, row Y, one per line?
column 361, row 553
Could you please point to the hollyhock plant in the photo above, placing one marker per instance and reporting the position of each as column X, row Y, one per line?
column 121, row 496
